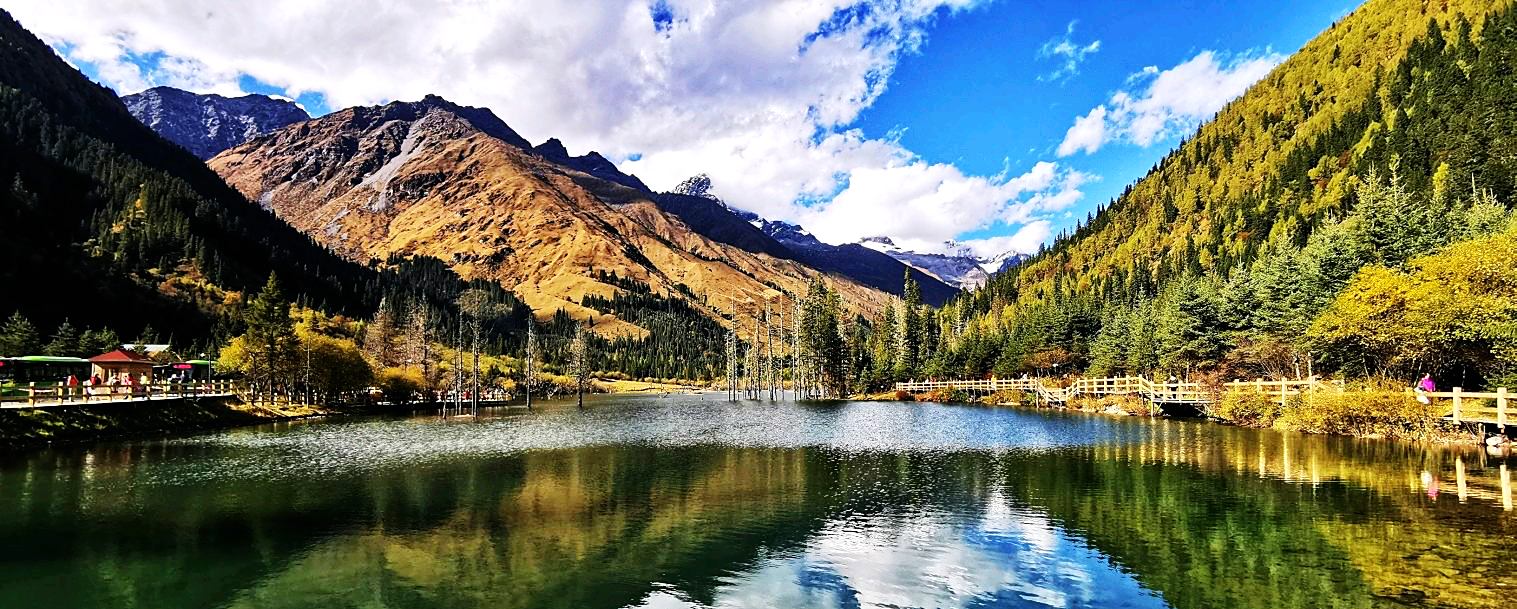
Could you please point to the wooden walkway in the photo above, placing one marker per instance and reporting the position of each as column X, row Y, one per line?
column 1459, row 405
column 56, row 395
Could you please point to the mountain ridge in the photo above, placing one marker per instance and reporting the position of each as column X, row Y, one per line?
column 206, row 124
column 420, row 178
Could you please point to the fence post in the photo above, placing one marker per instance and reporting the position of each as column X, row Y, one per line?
column 1283, row 393
column 1259, row 385
column 1458, row 401
column 1501, row 409
column 31, row 393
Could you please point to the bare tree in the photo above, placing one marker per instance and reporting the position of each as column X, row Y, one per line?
column 417, row 345
column 474, row 307
column 529, row 361
column 732, row 379
column 579, row 365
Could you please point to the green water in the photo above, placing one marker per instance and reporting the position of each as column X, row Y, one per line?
column 689, row 501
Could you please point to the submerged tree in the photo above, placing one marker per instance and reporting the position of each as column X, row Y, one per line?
column 579, row 362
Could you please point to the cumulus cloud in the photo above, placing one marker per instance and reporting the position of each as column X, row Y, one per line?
column 1067, row 52
column 759, row 95
column 1088, row 133
column 1157, row 104
column 939, row 202
column 1025, row 241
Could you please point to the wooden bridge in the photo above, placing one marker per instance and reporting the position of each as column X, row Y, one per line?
column 44, row 396
column 1459, row 405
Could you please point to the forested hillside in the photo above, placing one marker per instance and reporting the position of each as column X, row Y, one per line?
column 106, row 223
column 1385, row 139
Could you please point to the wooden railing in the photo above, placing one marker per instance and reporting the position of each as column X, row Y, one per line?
column 34, row 395
column 1462, row 406
column 1471, row 406
column 1187, row 393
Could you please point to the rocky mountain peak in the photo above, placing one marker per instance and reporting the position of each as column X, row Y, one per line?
column 206, row 124
column 552, row 149
column 480, row 118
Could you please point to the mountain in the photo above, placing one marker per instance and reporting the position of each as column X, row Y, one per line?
column 852, row 260
column 105, row 222
column 432, row 178
column 712, row 218
column 208, row 124
column 591, row 163
column 960, row 267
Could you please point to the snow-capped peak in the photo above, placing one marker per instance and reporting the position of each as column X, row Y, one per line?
column 957, row 263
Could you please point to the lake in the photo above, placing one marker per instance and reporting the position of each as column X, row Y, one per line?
column 692, row 501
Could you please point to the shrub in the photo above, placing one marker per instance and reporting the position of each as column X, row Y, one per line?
column 1248, row 408
column 399, row 386
column 1382, row 412
column 945, row 395
column 1111, row 404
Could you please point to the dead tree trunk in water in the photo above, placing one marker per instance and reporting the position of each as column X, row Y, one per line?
column 529, row 366
column 580, row 362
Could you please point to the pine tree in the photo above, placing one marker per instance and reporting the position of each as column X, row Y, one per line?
column 270, row 340
column 95, row 342
column 65, row 341
column 18, row 336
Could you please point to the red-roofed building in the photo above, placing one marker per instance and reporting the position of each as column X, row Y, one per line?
column 116, row 364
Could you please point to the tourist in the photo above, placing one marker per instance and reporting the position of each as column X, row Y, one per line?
column 1425, row 387
column 73, row 386
column 1174, row 385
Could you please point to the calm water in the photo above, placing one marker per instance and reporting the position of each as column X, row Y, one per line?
column 693, row 502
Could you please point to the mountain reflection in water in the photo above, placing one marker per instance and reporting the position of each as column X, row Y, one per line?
column 690, row 501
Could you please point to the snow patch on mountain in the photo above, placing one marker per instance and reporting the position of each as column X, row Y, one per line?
column 956, row 265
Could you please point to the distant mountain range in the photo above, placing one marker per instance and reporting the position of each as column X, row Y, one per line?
column 960, row 267
column 358, row 180
column 208, row 124
column 433, row 178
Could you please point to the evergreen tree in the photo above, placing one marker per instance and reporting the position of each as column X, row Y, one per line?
column 65, row 341
column 95, row 342
column 18, row 337
column 270, row 341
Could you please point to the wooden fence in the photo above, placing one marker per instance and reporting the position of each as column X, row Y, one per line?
column 1461, row 406
column 39, row 396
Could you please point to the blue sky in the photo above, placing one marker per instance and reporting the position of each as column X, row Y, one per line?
column 973, row 96
column 992, row 122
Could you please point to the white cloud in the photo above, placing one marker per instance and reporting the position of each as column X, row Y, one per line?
column 1088, row 133
column 1157, row 104
column 1068, row 52
column 759, row 95
column 1025, row 241
column 936, row 202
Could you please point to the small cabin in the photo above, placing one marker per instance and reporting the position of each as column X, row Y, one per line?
column 121, row 363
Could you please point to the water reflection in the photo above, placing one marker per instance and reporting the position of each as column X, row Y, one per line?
column 696, row 503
